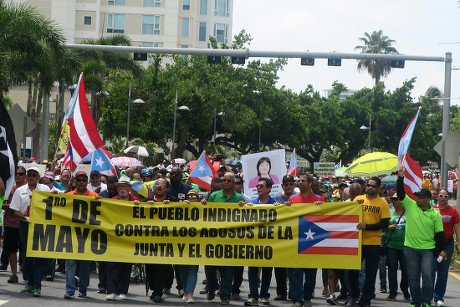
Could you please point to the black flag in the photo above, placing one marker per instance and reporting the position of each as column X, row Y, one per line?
column 8, row 155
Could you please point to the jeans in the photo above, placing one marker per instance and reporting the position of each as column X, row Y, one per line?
column 70, row 268
column 253, row 276
column 226, row 275
column 395, row 257
column 370, row 254
column 420, row 262
column 34, row 268
column 237, row 279
column 281, row 281
column 442, row 269
column 188, row 277
column 297, row 288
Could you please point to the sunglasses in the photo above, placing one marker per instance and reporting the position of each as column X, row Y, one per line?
column 393, row 198
column 32, row 175
column 20, row 174
column 261, row 186
column 227, row 180
column 422, row 197
column 160, row 184
column 303, row 180
column 372, row 185
column 81, row 180
column 238, row 182
column 192, row 196
column 443, row 196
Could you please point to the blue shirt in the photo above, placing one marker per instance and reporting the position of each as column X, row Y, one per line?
column 271, row 200
column 179, row 192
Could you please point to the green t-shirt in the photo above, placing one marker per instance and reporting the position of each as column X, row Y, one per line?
column 421, row 226
column 219, row 197
column 397, row 238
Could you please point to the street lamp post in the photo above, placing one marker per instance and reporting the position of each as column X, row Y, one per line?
column 368, row 128
column 182, row 108
column 129, row 111
column 215, row 123
column 266, row 119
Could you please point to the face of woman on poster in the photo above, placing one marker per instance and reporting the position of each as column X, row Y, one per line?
column 264, row 169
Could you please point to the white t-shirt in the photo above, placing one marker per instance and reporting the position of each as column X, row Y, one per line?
column 23, row 195
column 92, row 188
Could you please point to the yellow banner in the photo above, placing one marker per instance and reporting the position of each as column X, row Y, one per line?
column 302, row 235
column 64, row 137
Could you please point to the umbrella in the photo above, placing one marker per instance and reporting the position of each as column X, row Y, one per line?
column 340, row 172
column 180, row 161
column 373, row 164
column 389, row 179
column 139, row 150
column 125, row 161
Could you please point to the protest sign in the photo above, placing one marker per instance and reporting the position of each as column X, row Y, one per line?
column 270, row 164
column 324, row 169
column 301, row 235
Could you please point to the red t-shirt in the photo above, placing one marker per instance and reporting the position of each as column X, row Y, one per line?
column 450, row 217
column 305, row 200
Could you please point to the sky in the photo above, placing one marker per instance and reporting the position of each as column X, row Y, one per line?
column 419, row 27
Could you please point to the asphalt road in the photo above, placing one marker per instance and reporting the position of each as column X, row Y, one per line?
column 53, row 292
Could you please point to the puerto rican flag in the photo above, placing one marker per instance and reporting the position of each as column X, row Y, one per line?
column 328, row 235
column 100, row 162
column 338, row 165
column 413, row 176
column 293, row 167
column 83, row 134
column 203, row 172
column 68, row 162
column 406, row 138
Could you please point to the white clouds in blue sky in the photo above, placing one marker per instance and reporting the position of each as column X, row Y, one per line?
column 419, row 27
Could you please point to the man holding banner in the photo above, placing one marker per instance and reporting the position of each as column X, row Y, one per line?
column 298, row 289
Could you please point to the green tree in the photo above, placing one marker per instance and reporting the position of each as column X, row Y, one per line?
column 376, row 43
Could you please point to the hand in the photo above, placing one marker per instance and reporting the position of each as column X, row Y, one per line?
column 151, row 202
column 166, row 201
column 97, row 196
column 241, row 203
column 54, row 192
column 392, row 227
column 360, row 201
column 204, row 202
column 27, row 219
column 361, row 226
column 187, row 201
column 401, row 170
column 443, row 254
column 288, row 203
column 276, row 204
column 318, row 203
column 458, row 247
column 136, row 202
column 98, row 189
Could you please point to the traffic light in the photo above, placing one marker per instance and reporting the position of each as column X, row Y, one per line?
column 214, row 59
column 334, row 62
column 140, row 56
column 307, row 61
column 238, row 60
column 397, row 63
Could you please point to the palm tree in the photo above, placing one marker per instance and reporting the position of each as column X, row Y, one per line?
column 376, row 43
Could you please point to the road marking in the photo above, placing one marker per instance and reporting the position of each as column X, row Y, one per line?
column 455, row 275
column 3, row 302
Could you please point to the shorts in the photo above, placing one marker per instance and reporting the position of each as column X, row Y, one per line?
column 11, row 240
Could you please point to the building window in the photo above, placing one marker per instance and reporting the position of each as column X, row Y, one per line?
column 116, row 23
column 117, row 2
column 204, row 7
column 184, row 46
column 150, row 44
column 185, row 27
column 202, row 33
column 221, row 8
column 151, row 24
column 152, row 3
column 87, row 20
column 220, row 32
column 186, row 5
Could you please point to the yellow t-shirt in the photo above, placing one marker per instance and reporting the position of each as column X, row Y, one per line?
column 373, row 211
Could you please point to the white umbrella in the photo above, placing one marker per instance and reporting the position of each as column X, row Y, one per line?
column 180, row 161
column 139, row 150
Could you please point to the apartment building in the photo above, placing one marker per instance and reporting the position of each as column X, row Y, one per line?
column 149, row 23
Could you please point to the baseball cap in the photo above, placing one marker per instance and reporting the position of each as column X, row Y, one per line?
column 423, row 193
column 343, row 183
column 50, row 175
column 95, row 173
column 287, row 178
column 34, row 168
column 145, row 172
column 193, row 192
column 124, row 180
column 81, row 174
column 390, row 186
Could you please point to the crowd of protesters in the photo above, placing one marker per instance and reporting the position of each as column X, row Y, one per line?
column 422, row 230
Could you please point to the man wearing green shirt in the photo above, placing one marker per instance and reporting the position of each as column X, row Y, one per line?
column 424, row 239
column 226, row 195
